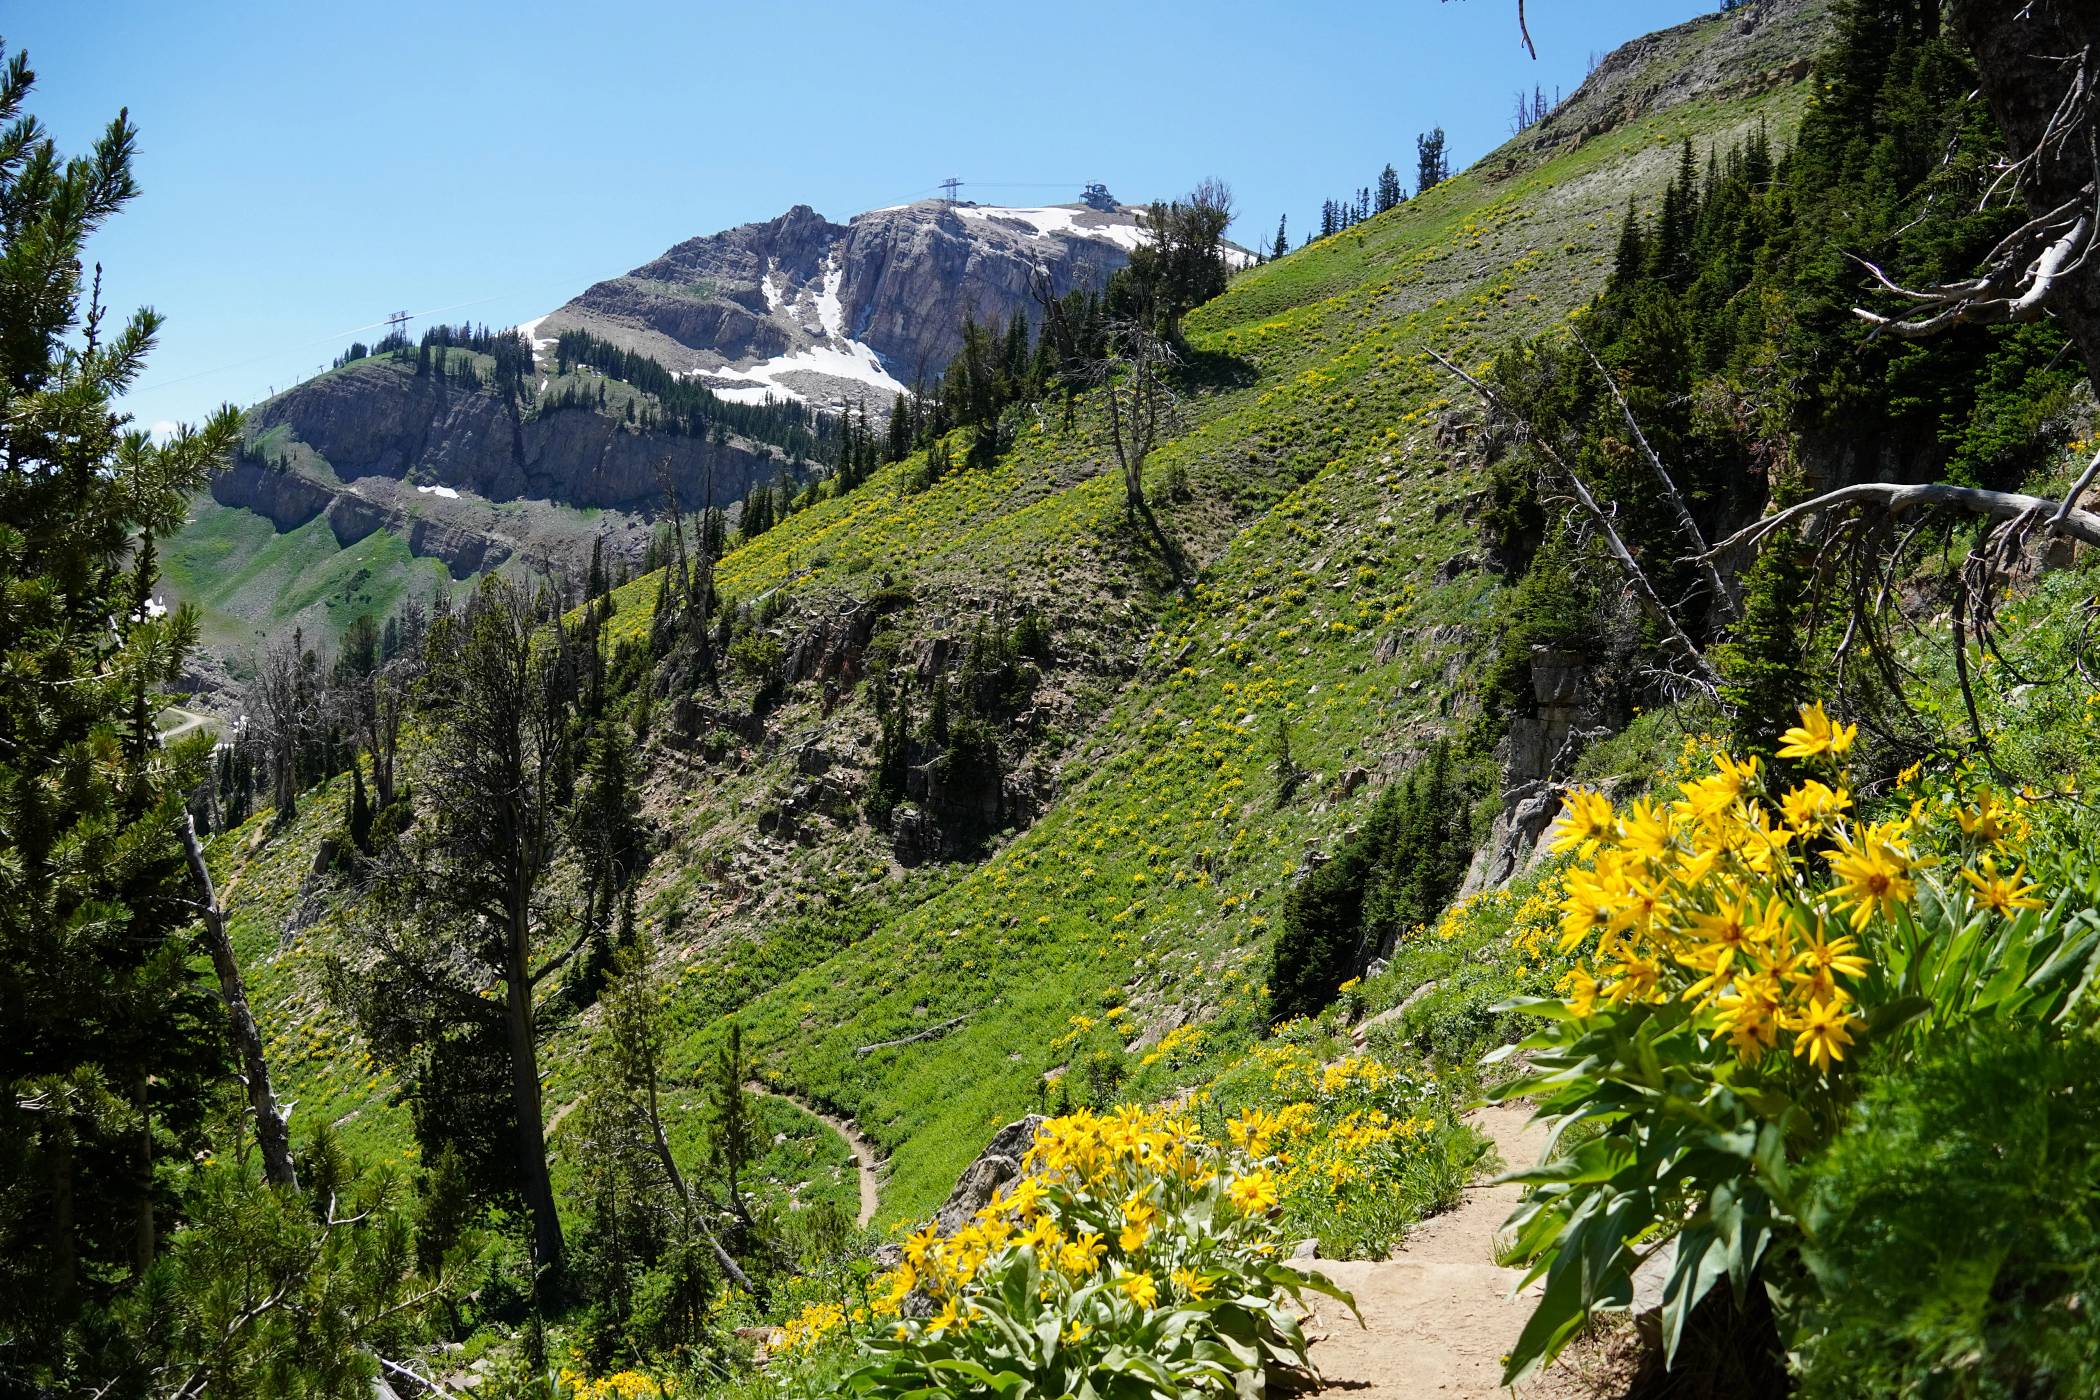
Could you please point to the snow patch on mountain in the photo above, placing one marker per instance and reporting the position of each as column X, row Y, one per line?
column 530, row 330
column 831, row 312
column 1059, row 221
column 846, row 359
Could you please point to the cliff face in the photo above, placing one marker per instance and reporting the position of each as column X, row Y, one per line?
column 377, row 419
column 800, row 306
column 795, row 308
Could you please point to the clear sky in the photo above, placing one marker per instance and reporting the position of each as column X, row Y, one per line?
column 309, row 167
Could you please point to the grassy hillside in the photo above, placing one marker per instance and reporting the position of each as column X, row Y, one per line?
column 1338, row 594
column 252, row 584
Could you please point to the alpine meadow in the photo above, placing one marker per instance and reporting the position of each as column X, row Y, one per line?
column 1494, row 792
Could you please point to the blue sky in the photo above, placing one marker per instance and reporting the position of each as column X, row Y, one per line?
column 309, row 167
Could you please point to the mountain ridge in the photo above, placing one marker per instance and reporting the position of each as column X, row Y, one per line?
column 478, row 476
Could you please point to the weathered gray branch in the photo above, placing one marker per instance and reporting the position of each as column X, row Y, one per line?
column 2063, row 512
column 1723, row 599
column 270, row 1131
column 930, row 1033
column 2025, row 300
column 1895, row 499
column 1701, row 670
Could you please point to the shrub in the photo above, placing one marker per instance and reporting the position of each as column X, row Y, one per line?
column 1133, row 1256
column 1955, row 1226
column 1740, row 949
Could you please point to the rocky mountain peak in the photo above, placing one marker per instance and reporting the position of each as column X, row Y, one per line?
column 801, row 307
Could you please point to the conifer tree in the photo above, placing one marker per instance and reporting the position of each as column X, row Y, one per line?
column 1389, row 191
column 1432, row 165
column 111, row 1039
column 1283, row 239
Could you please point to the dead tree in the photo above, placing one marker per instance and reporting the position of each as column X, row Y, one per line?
column 1698, row 670
column 1137, row 388
column 271, row 1134
column 2038, row 62
column 280, row 700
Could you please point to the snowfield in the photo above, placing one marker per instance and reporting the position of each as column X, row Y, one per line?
column 1053, row 220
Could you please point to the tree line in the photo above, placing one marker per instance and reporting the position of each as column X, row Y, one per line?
column 1432, row 168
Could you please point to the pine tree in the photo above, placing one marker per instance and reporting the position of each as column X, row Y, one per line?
column 461, row 904
column 1764, row 666
column 111, row 1040
column 1283, row 240
column 1432, row 166
column 1389, row 192
column 732, row 1134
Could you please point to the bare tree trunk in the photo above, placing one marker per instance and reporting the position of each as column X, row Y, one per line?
column 1630, row 569
column 1723, row 599
column 534, row 1181
column 2039, row 66
column 271, row 1134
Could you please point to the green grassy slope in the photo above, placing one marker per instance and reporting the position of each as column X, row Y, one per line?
column 1337, row 591
column 1326, row 516
column 252, row 583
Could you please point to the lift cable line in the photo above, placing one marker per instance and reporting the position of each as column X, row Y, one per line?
column 403, row 316
column 398, row 320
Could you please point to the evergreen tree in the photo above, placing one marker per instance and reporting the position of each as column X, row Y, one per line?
column 1398, row 870
column 1763, row 666
column 459, row 907
column 1389, row 191
column 111, row 1041
column 1432, row 165
column 1283, row 240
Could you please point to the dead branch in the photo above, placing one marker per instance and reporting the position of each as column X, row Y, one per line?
column 2002, row 298
column 1723, row 599
column 2021, row 273
column 930, row 1033
column 1701, row 670
column 270, row 1132
column 2085, row 479
column 1893, row 499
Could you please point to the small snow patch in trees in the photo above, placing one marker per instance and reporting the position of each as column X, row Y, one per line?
column 530, row 330
column 447, row 492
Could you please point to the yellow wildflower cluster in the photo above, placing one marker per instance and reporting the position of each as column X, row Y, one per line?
column 806, row 1330
column 620, row 1385
column 1101, row 1195
column 1718, row 897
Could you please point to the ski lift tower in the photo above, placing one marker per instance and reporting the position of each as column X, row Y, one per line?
column 949, row 187
column 1096, row 196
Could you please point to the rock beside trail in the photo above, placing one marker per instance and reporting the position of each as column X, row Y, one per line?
column 999, row 1163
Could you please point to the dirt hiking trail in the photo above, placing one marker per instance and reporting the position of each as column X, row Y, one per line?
column 866, row 1163
column 1438, row 1315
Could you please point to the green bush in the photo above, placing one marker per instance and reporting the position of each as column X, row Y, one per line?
column 1955, row 1226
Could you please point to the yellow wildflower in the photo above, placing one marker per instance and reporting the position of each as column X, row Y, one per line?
column 1254, row 1192
column 1823, row 1032
column 1816, row 735
column 2004, row 894
column 1139, row 1288
column 1873, row 872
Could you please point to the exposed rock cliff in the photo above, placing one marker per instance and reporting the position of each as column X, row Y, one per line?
column 794, row 308
column 844, row 312
column 377, row 418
